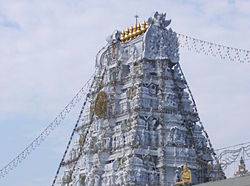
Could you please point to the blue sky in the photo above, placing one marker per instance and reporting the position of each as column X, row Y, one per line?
column 47, row 52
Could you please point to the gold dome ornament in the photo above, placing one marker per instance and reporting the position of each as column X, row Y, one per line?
column 101, row 104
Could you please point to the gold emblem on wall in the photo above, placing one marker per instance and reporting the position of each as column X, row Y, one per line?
column 101, row 104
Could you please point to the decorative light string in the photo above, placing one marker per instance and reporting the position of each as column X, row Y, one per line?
column 45, row 133
column 231, row 154
column 213, row 49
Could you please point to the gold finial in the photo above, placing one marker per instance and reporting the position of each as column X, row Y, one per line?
column 130, row 33
column 126, row 35
column 144, row 26
column 134, row 34
column 138, row 31
column 122, row 36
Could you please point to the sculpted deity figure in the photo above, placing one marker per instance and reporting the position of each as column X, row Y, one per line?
column 66, row 177
column 97, row 180
column 108, row 143
column 174, row 135
column 153, row 139
column 185, row 177
column 152, row 178
column 186, row 174
column 142, row 137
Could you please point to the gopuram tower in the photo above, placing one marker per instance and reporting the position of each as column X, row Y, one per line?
column 141, row 126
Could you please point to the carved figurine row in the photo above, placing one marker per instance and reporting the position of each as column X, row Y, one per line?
column 133, row 32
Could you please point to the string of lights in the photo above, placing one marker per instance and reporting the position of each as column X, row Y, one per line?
column 213, row 49
column 45, row 133
column 231, row 154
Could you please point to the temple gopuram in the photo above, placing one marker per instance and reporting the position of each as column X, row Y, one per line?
column 141, row 126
